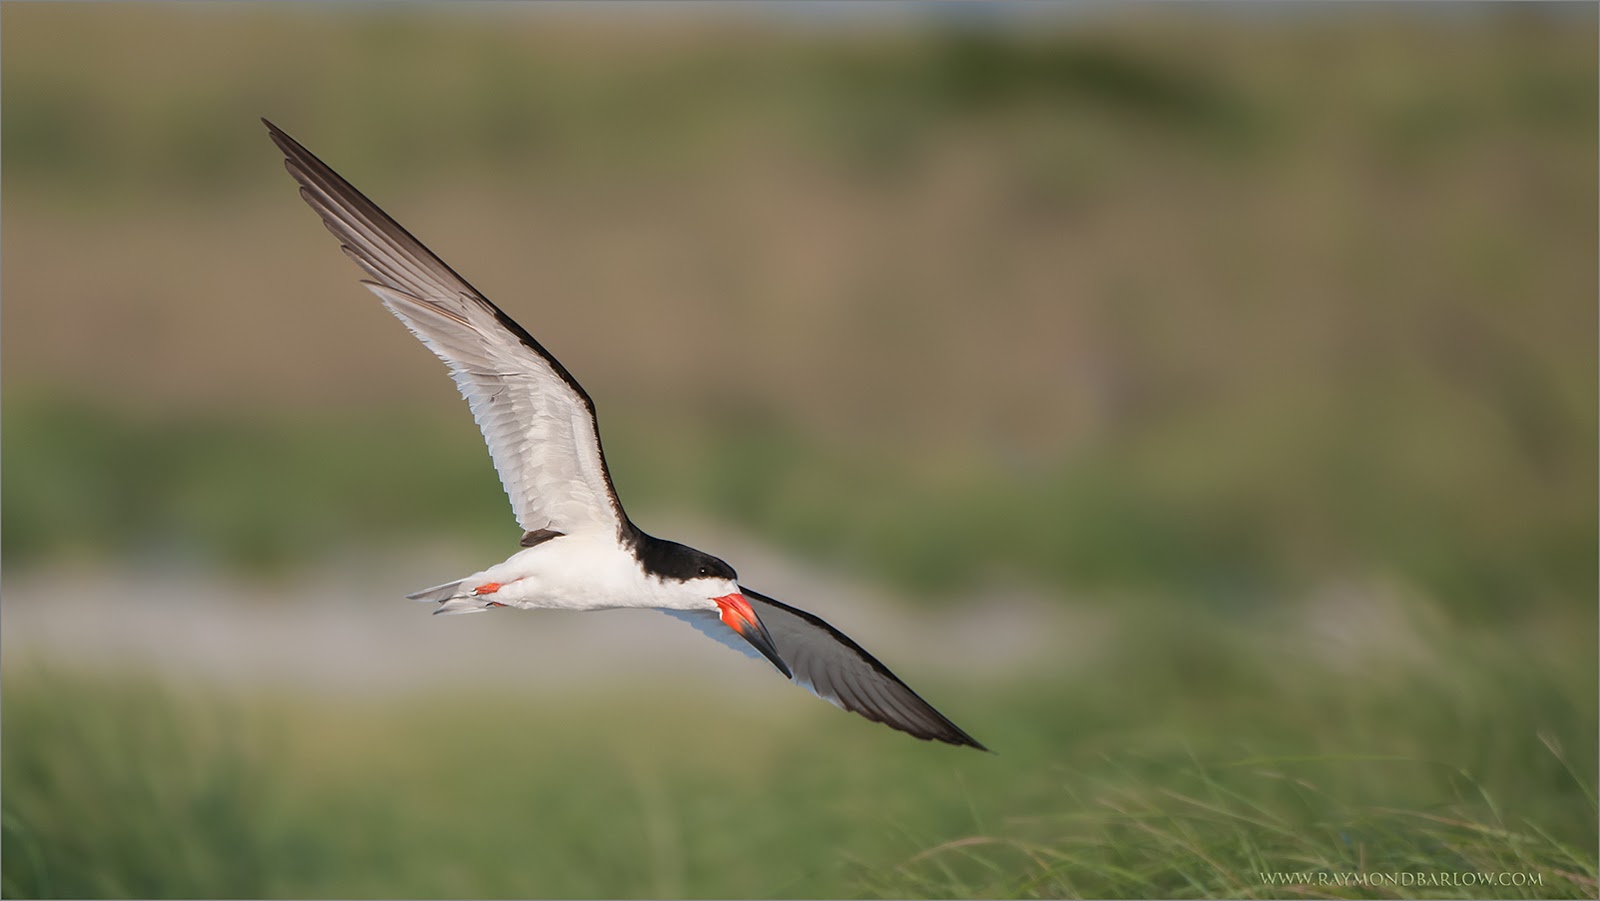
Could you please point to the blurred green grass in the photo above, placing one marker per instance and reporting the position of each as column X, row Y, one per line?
column 1198, row 756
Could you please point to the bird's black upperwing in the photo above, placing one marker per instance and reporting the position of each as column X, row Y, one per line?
column 826, row 662
column 837, row 669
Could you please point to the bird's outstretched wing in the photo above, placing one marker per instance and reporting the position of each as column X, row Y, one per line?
column 826, row 662
column 538, row 421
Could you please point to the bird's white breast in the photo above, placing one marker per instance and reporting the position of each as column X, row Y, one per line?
column 585, row 573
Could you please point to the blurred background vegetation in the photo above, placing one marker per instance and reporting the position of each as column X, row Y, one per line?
column 1263, row 339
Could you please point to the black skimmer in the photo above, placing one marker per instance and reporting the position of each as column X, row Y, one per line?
column 579, row 549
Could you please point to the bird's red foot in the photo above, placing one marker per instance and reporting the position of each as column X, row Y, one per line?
column 496, row 604
column 487, row 588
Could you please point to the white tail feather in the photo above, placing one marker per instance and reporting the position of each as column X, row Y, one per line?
column 465, row 605
column 437, row 593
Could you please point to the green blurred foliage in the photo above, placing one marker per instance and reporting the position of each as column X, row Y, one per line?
column 266, row 494
column 254, row 495
column 1198, row 755
column 512, row 99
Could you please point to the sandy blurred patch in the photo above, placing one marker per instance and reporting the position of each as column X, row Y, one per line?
column 350, row 630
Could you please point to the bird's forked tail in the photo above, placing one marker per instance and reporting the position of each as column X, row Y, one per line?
column 438, row 594
column 452, row 598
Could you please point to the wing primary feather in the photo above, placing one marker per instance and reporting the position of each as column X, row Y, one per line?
column 538, row 421
column 303, row 162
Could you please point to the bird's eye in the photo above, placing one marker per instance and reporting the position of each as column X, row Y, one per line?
column 705, row 571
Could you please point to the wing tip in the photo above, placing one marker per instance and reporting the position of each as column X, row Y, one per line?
column 288, row 145
column 962, row 740
column 944, row 731
column 951, row 734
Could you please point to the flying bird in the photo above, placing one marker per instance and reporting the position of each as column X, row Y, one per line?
column 580, row 551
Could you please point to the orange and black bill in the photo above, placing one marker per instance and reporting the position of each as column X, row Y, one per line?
column 737, row 615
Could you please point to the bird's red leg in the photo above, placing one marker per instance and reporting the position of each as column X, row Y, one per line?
column 489, row 588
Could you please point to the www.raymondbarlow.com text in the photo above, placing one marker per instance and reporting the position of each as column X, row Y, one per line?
column 1442, row 879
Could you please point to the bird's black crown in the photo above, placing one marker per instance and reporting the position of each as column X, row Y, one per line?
column 671, row 560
